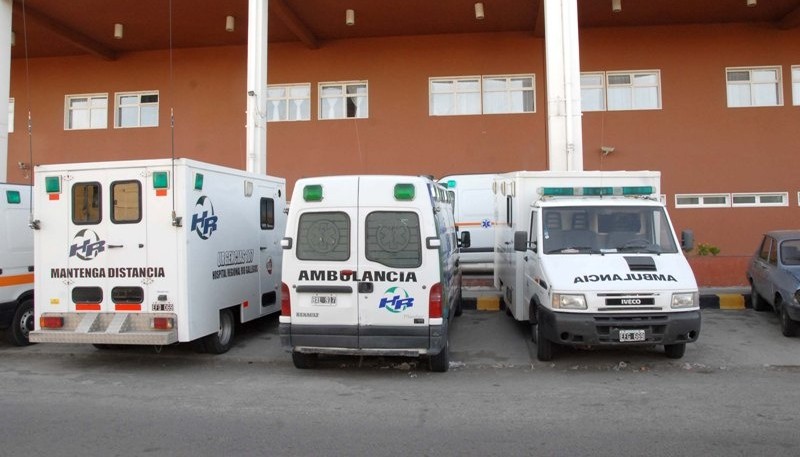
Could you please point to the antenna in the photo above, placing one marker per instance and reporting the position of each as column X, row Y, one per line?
column 176, row 221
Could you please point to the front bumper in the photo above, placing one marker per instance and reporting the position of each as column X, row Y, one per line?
column 604, row 329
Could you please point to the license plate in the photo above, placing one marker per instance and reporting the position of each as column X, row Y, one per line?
column 323, row 300
column 631, row 335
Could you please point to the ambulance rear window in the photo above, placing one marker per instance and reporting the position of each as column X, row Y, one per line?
column 86, row 203
column 126, row 200
column 323, row 236
column 393, row 239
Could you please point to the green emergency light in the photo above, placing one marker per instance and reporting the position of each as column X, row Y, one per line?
column 404, row 192
column 638, row 190
column 312, row 193
column 451, row 184
column 13, row 197
column 52, row 184
column 557, row 191
column 198, row 181
column 160, row 180
column 598, row 191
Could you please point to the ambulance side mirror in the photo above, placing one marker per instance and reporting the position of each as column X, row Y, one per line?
column 520, row 241
column 687, row 240
column 464, row 242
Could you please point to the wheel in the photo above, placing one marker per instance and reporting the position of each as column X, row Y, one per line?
column 304, row 361
column 22, row 324
column 758, row 303
column 440, row 362
column 220, row 342
column 675, row 351
column 544, row 347
column 788, row 326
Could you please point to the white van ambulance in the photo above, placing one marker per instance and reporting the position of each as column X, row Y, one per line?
column 370, row 268
column 16, row 263
column 590, row 259
column 154, row 252
column 474, row 213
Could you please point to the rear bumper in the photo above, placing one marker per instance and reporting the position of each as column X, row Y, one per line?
column 107, row 328
column 363, row 340
column 604, row 329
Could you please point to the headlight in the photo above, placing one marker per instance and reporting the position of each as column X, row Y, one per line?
column 566, row 301
column 685, row 300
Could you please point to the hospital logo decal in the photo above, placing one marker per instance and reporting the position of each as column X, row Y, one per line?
column 396, row 300
column 86, row 245
column 204, row 222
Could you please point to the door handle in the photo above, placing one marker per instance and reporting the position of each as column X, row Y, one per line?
column 116, row 245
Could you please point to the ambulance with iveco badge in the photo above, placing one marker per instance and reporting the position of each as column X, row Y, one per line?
column 154, row 252
column 590, row 258
column 371, row 267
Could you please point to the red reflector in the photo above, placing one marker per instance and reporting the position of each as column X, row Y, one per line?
column 128, row 307
column 286, row 300
column 53, row 196
column 87, row 306
column 162, row 323
column 161, row 192
column 246, row 304
column 435, row 302
column 51, row 322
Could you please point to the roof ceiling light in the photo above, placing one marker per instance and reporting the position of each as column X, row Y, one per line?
column 752, row 3
column 118, row 31
column 230, row 24
column 479, row 11
column 349, row 17
column 616, row 6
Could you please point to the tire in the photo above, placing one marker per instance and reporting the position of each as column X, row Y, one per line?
column 440, row 363
column 675, row 351
column 222, row 340
column 758, row 303
column 22, row 324
column 544, row 347
column 788, row 326
column 304, row 361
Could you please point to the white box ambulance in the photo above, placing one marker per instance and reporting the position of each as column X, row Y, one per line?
column 16, row 263
column 370, row 268
column 474, row 213
column 154, row 252
column 590, row 258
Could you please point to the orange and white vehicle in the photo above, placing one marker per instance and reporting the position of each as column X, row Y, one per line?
column 16, row 263
column 154, row 252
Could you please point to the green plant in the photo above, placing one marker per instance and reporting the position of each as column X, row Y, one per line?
column 704, row 249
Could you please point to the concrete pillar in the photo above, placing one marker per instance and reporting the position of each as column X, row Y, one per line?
column 256, row 86
column 5, row 83
column 562, row 66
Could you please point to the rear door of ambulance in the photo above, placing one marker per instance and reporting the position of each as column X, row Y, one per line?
column 395, row 268
column 324, row 302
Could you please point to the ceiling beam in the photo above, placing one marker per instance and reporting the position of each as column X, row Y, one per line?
column 791, row 20
column 300, row 30
column 73, row 36
column 538, row 29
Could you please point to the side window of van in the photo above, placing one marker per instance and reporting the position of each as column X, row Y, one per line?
column 764, row 252
column 126, row 202
column 323, row 236
column 393, row 239
column 86, row 203
column 267, row 214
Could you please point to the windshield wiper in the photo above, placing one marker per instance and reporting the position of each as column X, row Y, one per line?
column 645, row 249
column 575, row 250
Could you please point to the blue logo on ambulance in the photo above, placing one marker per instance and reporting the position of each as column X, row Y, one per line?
column 204, row 222
column 87, row 245
column 396, row 300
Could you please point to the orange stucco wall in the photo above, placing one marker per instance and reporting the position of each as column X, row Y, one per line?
column 698, row 144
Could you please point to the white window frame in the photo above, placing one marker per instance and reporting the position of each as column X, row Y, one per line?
column 701, row 201
column 796, row 85
column 118, row 107
column 343, row 98
column 750, row 83
column 90, row 98
column 633, row 89
column 456, row 93
column 593, row 87
column 289, row 98
column 509, row 92
column 758, row 198
column 11, row 115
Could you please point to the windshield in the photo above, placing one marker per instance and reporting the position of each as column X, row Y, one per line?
column 606, row 229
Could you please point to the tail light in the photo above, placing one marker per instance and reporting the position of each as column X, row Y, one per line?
column 162, row 323
column 286, row 300
column 435, row 302
column 51, row 322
